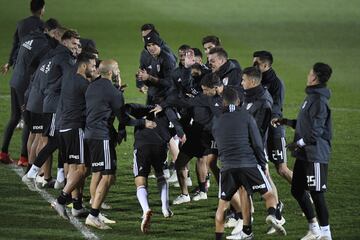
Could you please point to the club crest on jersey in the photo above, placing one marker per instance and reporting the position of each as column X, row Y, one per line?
column 179, row 80
column 304, row 105
column 158, row 67
column 225, row 81
column 149, row 67
column 248, row 106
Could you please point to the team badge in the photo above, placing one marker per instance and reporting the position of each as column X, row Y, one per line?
column 225, row 81
column 158, row 67
column 248, row 106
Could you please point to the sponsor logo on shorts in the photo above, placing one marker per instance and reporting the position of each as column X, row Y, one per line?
column 223, row 194
column 262, row 186
column 99, row 164
column 77, row 157
column 37, row 127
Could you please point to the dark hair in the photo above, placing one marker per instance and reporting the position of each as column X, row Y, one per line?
column 51, row 24
column 184, row 47
column 211, row 80
column 90, row 49
column 211, row 39
column 253, row 72
column 197, row 52
column 85, row 57
column 219, row 51
column 36, row 5
column 323, row 71
column 149, row 26
column 70, row 34
column 264, row 56
column 230, row 95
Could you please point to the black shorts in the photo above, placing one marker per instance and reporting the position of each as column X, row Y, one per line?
column 49, row 124
column 102, row 155
column 252, row 179
column 36, row 123
column 211, row 147
column 276, row 150
column 193, row 146
column 72, row 147
column 147, row 156
column 310, row 175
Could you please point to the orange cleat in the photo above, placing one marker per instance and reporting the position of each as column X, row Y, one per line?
column 23, row 162
column 5, row 158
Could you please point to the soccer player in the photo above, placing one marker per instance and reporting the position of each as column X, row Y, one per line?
column 71, row 134
column 157, row 75
column 311, row 148
column 243, row 162
column 150, row 149
column 23, row 28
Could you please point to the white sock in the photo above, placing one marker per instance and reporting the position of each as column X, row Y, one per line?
column 325, row 230
column 60, row 176
column 164, row 194
column 314, row 227
column 34, row 170
column 141, row 193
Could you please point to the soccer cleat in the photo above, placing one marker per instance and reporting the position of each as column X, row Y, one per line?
column 167, row 213
column 272, row 221
column 30, row 182
column 5, row 158
column 145, row 223
column 166, row 173
column 200, row 196
column 41, row 182
column 96, row 222
column 230, row 223
column 280, row 206
column 60, row 209
column 104, row 205
column 23, row 162
column 311, row 235
column 173, row 178
column 104, row 219
column 272, row 230
column 59, row 185
column 83, row 212
column 182, row 198
column 241, row 235
column 326, row 237
column 238, row 228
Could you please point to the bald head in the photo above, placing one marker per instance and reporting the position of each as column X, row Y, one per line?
column 109, row 69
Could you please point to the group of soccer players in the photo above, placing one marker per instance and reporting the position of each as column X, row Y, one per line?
column 69, row 100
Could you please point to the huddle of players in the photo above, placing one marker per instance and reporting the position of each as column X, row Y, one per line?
column 71, row 104
column 240, row 111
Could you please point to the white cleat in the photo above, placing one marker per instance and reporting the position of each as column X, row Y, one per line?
column 60, row 209
column 83, row 212
column 241, row 235
column 311, row 235
column 173, row 178
column 96, row 222
column 272, row 221
column 59, row 185
column 188, row 183
column 238, row 228
column 200, row 196
column 104, row 219
column 166, row 173
column 182, row 198
column 146, row 220
column 272, row 230
column 230, row 223
column 167, row 213
column 30, row 182
column 104, row 205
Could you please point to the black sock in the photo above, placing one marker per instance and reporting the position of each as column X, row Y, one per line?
column 219, row 235
column 247, row 229
column 278, row 214
column 202, row 187
column 271, row 211
column 28, row 168
column 94, row 212
column 48, row 179
column 238, row 215
column 62, row 198
column 77, row 203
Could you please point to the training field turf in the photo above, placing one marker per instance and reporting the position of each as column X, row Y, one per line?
column 298, row 33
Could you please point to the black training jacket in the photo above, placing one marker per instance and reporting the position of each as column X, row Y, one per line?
column 238, row 140
column 314, row 126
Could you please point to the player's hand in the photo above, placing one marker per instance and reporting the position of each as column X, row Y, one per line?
column 156, row 109
column 144, row 89
column 150, row 124
column 275, row 122
column 5, row 68
column 292, row 146
column 143, row 75
column 121, row 136
column 183, row 139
